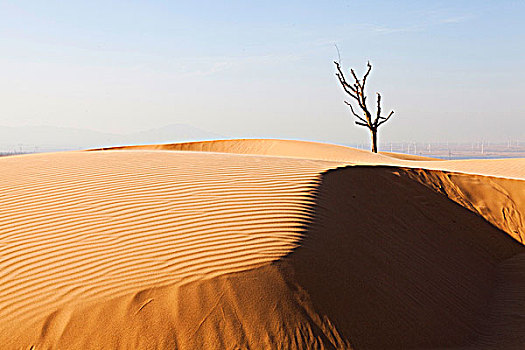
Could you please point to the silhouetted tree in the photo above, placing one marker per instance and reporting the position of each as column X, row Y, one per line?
column 357, row 92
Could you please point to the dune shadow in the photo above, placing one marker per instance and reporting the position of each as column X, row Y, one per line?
column 394, row 264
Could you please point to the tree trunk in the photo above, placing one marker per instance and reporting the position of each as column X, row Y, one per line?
column 374, row 140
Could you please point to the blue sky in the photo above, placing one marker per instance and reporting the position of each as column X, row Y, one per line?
column 451, row 70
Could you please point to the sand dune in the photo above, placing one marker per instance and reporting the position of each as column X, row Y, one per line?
column 260, row 244
column 509, row 168
column 79, row 227
column 500, row 201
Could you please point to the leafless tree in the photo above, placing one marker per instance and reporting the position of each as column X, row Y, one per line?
column 357, row 92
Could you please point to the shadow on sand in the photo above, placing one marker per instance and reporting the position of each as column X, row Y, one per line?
column 394, row 264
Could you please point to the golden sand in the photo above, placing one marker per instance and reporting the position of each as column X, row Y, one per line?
column 260, row 244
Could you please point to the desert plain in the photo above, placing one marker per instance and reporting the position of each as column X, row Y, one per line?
column 260, row 244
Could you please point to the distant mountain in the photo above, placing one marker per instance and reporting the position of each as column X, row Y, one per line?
column 51, row 138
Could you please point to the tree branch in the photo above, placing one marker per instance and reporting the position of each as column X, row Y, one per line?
column 366, row 74
column 354, row 113
column 355, row 77
column 338, row 54
column 345, row 85
column 378, row 115
column 342, row 80
column 385, row 119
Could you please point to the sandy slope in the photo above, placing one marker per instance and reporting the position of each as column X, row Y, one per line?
column 89, row 226
column 510, row 168
column 156, row 249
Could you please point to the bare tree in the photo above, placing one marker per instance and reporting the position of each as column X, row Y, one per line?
column 357, row 92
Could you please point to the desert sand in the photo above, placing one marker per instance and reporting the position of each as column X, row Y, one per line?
column 260, row 244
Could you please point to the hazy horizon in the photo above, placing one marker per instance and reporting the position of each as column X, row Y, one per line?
column 451, row 71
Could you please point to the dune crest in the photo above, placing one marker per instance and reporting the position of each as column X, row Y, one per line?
column 500, row 201
column 507, row 168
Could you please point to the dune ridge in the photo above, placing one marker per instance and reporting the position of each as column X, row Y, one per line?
column 422, row 269
column 507, row 168
column 149, row 248
column 500, row 201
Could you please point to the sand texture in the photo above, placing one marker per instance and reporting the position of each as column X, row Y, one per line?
column 260, row 244
column 508, row 168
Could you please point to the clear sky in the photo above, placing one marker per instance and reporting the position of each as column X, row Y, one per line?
column 451, row 70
